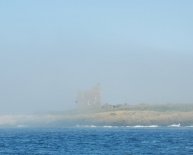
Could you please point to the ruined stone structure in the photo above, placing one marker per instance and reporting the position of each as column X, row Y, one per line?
column 89, row 100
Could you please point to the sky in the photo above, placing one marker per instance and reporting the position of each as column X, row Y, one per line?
column 139, row 51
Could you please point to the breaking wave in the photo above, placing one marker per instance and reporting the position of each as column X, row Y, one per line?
column 143, row 126
column 135, row 126
column 190, row 126
column 175, row 125
column 86, row 126
column 110, row 126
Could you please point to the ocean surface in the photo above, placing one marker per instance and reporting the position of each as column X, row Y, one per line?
column 93, row 140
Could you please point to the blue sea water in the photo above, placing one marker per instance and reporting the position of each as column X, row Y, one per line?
column 97, row 141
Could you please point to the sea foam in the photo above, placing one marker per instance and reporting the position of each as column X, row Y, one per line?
column 175, row 125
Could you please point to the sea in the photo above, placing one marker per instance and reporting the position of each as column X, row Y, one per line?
column 93, row 140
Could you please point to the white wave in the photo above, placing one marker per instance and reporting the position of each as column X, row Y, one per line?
column 93, row 126
column 152, row 126
column 128, row 126
column 107, row 126
column 145, row 126
column 138, row 126
column 86, row 126
column 175, row 125
column 190, row 126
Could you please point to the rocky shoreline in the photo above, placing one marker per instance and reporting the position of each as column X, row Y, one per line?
column 114, row 117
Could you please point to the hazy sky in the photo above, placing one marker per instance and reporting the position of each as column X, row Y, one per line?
column 140, row 51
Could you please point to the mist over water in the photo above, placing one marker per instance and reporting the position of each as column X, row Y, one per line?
column 50, row 51
column 96, row 77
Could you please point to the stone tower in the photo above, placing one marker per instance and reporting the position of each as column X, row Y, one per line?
column 89, row 100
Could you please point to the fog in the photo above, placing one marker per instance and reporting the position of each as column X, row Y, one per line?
column 139, row 52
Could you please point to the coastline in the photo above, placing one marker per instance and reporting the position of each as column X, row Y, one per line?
column 128, row 117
